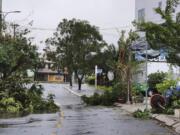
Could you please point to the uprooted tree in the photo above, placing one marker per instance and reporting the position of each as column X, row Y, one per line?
column 17, row 55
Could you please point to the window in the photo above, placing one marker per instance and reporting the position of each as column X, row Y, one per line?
column 160, row 4
column 141, row 15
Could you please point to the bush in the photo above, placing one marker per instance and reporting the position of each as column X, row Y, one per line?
column 176, row 103
column 168, row 111
column 23, row 100
column 156, row 78
column 9, row 105
column 141, row 114
column 38, row 103
column 93, row 100
column 166, row 84
column 119, row 91
column 106, row 99
column 91, row 80
column 104, row 88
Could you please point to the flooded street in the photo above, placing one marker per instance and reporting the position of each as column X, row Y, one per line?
column 77, row 119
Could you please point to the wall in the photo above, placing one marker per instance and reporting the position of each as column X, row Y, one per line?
column 55, row 78
column 149, row 5
column 151, row 15
column 154, row 67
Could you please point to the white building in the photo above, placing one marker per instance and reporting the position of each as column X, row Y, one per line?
column 144, row 11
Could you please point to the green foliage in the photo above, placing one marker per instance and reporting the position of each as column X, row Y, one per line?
column 91, row 80
column 119, row 91
column 108, row 59
column 125, row 65
column 165, row 35
column 17, row 55
column 39, row 104
column 125, row 62
column 93, row 100
column 28, row 101
column 138, row 88
column 137, row 92
column 166, row 84
column 106, row 99
column 9, row 105
column 168, row 111
column 104, row 88
column 156, row 78
column 142, row 114
column 176, row 103
column 74, row 40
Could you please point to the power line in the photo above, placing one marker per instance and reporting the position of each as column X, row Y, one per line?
column 115, row 28
column 53, row 29
column 40, row 29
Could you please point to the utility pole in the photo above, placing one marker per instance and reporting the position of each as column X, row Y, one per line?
column 96, row 68
column 146, row 79
column 1, row 18
column 14, row 30
column 129, row 77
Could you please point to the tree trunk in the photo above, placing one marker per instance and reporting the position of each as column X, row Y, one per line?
column 35, row 75
column 79, row 83
column 70, row 80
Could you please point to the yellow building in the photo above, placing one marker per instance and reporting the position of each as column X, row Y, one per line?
column 46, row 74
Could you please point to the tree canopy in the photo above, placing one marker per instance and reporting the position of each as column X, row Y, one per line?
column 73, row 41
column 167, row 34
column 17, row 55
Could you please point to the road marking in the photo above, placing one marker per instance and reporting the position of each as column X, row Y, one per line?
column 62, row 114
column 58, row 125
column 75, row 93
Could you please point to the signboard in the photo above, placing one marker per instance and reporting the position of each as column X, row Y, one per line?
column 110, row 75
column 99, row 71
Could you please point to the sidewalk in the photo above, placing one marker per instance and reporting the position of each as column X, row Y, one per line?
column 85, row 90
column 169, row 120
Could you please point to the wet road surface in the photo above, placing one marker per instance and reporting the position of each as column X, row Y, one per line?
column 77, row 119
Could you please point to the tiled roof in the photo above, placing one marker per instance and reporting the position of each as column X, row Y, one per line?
column 45, row 70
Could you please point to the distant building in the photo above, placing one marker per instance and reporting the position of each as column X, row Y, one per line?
column 47, row 74
column 144, row 11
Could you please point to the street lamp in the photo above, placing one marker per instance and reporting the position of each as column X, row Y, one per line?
column 3, row 16
column 9, row 12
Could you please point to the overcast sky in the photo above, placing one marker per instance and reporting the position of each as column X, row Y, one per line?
column 111, row 16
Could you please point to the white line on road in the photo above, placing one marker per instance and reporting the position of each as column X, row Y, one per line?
column 79, row 95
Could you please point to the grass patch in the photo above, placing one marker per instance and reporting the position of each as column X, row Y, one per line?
column 105, row 88
column 142, row 114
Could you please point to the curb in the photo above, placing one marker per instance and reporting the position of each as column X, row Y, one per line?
column 173, row 124
column 71, row 91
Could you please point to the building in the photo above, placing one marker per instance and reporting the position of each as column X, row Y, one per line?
column 144, row 10
column 156, row 59
column 47, row 74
